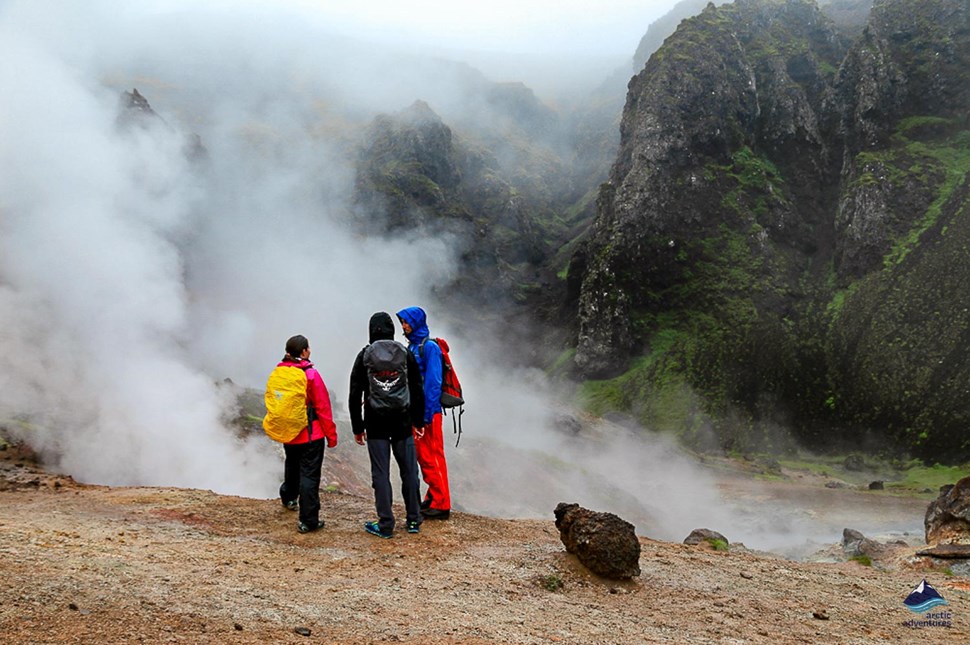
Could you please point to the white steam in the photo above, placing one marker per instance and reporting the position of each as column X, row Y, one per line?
column 133, row 280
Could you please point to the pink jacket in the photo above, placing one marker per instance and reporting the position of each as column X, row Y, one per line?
column 319, row 398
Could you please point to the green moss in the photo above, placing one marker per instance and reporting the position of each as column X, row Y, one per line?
column 835, row 306
column 826, row 68
column 758, row 183
column 955, row 162
column 909, row 124
column 863, row 559
column 718, row 544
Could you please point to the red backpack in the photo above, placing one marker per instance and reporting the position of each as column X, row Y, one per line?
column 451, row 396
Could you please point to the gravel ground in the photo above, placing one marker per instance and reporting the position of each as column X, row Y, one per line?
column 92, row 564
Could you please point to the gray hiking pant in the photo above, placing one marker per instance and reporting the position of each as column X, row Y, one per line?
column 380, row 469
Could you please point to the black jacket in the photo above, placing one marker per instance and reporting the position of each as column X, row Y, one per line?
column 378, row 425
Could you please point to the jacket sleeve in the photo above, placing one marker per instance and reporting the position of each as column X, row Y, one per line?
column 432, row 380
column 320, row 399
column 416, row 391
column 358, row 386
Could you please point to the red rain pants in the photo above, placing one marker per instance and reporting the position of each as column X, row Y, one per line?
column 431, row 457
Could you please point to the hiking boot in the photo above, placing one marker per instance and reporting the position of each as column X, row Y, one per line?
column 306, row 528
column 435, row 514
column 374, row 529
column 426, row 503
column 291, row 505
column 414, row 527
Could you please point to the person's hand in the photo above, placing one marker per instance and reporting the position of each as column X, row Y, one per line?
column 361, row 438
column 332, row 442
column 418, row 432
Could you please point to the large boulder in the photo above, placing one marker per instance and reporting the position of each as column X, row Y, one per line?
column 947, row 518
column 855, row 544
column 604, row 543
column 706, row 536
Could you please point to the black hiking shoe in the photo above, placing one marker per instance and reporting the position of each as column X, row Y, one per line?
column 306, row 528
column 374, row 529
column 291, row 505
column 435, row 514
column 426, row 503
column 414, row 527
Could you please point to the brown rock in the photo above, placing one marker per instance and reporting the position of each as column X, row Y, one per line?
column 947, row 518
column 604, row 543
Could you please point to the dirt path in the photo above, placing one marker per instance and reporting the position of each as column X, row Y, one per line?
column 89, row 564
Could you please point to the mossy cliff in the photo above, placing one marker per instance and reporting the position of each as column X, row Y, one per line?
column 783, row 237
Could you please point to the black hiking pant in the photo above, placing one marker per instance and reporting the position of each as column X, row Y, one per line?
column 380, row 471
column 301, row 478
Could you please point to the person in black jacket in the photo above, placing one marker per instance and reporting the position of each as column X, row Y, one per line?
column 382, row 416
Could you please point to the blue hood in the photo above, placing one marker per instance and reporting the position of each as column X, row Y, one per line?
column 418, row 320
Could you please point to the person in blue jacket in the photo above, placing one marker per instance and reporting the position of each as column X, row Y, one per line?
column 428, row 440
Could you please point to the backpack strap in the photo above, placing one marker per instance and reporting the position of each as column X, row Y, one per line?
column 455, row 418
column 456, row 423
column 311, row 412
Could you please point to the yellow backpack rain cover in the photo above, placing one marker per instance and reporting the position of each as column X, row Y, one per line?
column 286, row 403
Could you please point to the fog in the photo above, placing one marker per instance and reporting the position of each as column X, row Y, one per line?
column 134, row 279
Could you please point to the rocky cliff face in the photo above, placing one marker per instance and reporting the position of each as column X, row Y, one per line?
column 415, row 171
column 722, row 134
column 775, row 235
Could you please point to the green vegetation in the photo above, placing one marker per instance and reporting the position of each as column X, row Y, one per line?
column 956, row 163
column 918, row 478
column 863, row 559
column 759, row 184
column 717, row 544
column 761, row 288
column 551, row 582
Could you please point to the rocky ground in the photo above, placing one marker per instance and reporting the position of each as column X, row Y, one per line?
column 91, row 564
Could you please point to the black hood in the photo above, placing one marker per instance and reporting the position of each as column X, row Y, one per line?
column 381, row 326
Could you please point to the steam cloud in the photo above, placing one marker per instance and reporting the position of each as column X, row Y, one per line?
column 133, row 280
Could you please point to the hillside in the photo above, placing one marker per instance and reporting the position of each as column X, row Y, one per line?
column 86, row 564
column 776, row 246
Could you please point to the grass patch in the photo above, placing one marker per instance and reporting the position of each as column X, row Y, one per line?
column 920, row 478
column 551, row 582
column 864, row 560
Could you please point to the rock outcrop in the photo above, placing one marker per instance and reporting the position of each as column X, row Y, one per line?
column 947, row 518
column 779, row 238
column 855, row 544
column 603, row 543
column 707, row 536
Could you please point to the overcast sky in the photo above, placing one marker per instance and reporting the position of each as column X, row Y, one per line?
column 539, row 42
column 605, row 27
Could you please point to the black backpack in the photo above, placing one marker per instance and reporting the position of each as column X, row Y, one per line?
column 386, row 362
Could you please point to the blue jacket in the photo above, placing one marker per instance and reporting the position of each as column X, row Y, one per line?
column 428, row 357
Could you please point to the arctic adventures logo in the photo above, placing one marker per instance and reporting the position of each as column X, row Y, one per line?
column 920, row 601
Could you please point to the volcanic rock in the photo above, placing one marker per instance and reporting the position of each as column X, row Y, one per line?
column 604, row 543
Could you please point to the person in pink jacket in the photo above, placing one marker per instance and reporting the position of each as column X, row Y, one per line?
column 304, row 455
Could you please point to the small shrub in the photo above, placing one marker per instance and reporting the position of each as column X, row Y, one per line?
column 719, row 545
column 551, row 582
